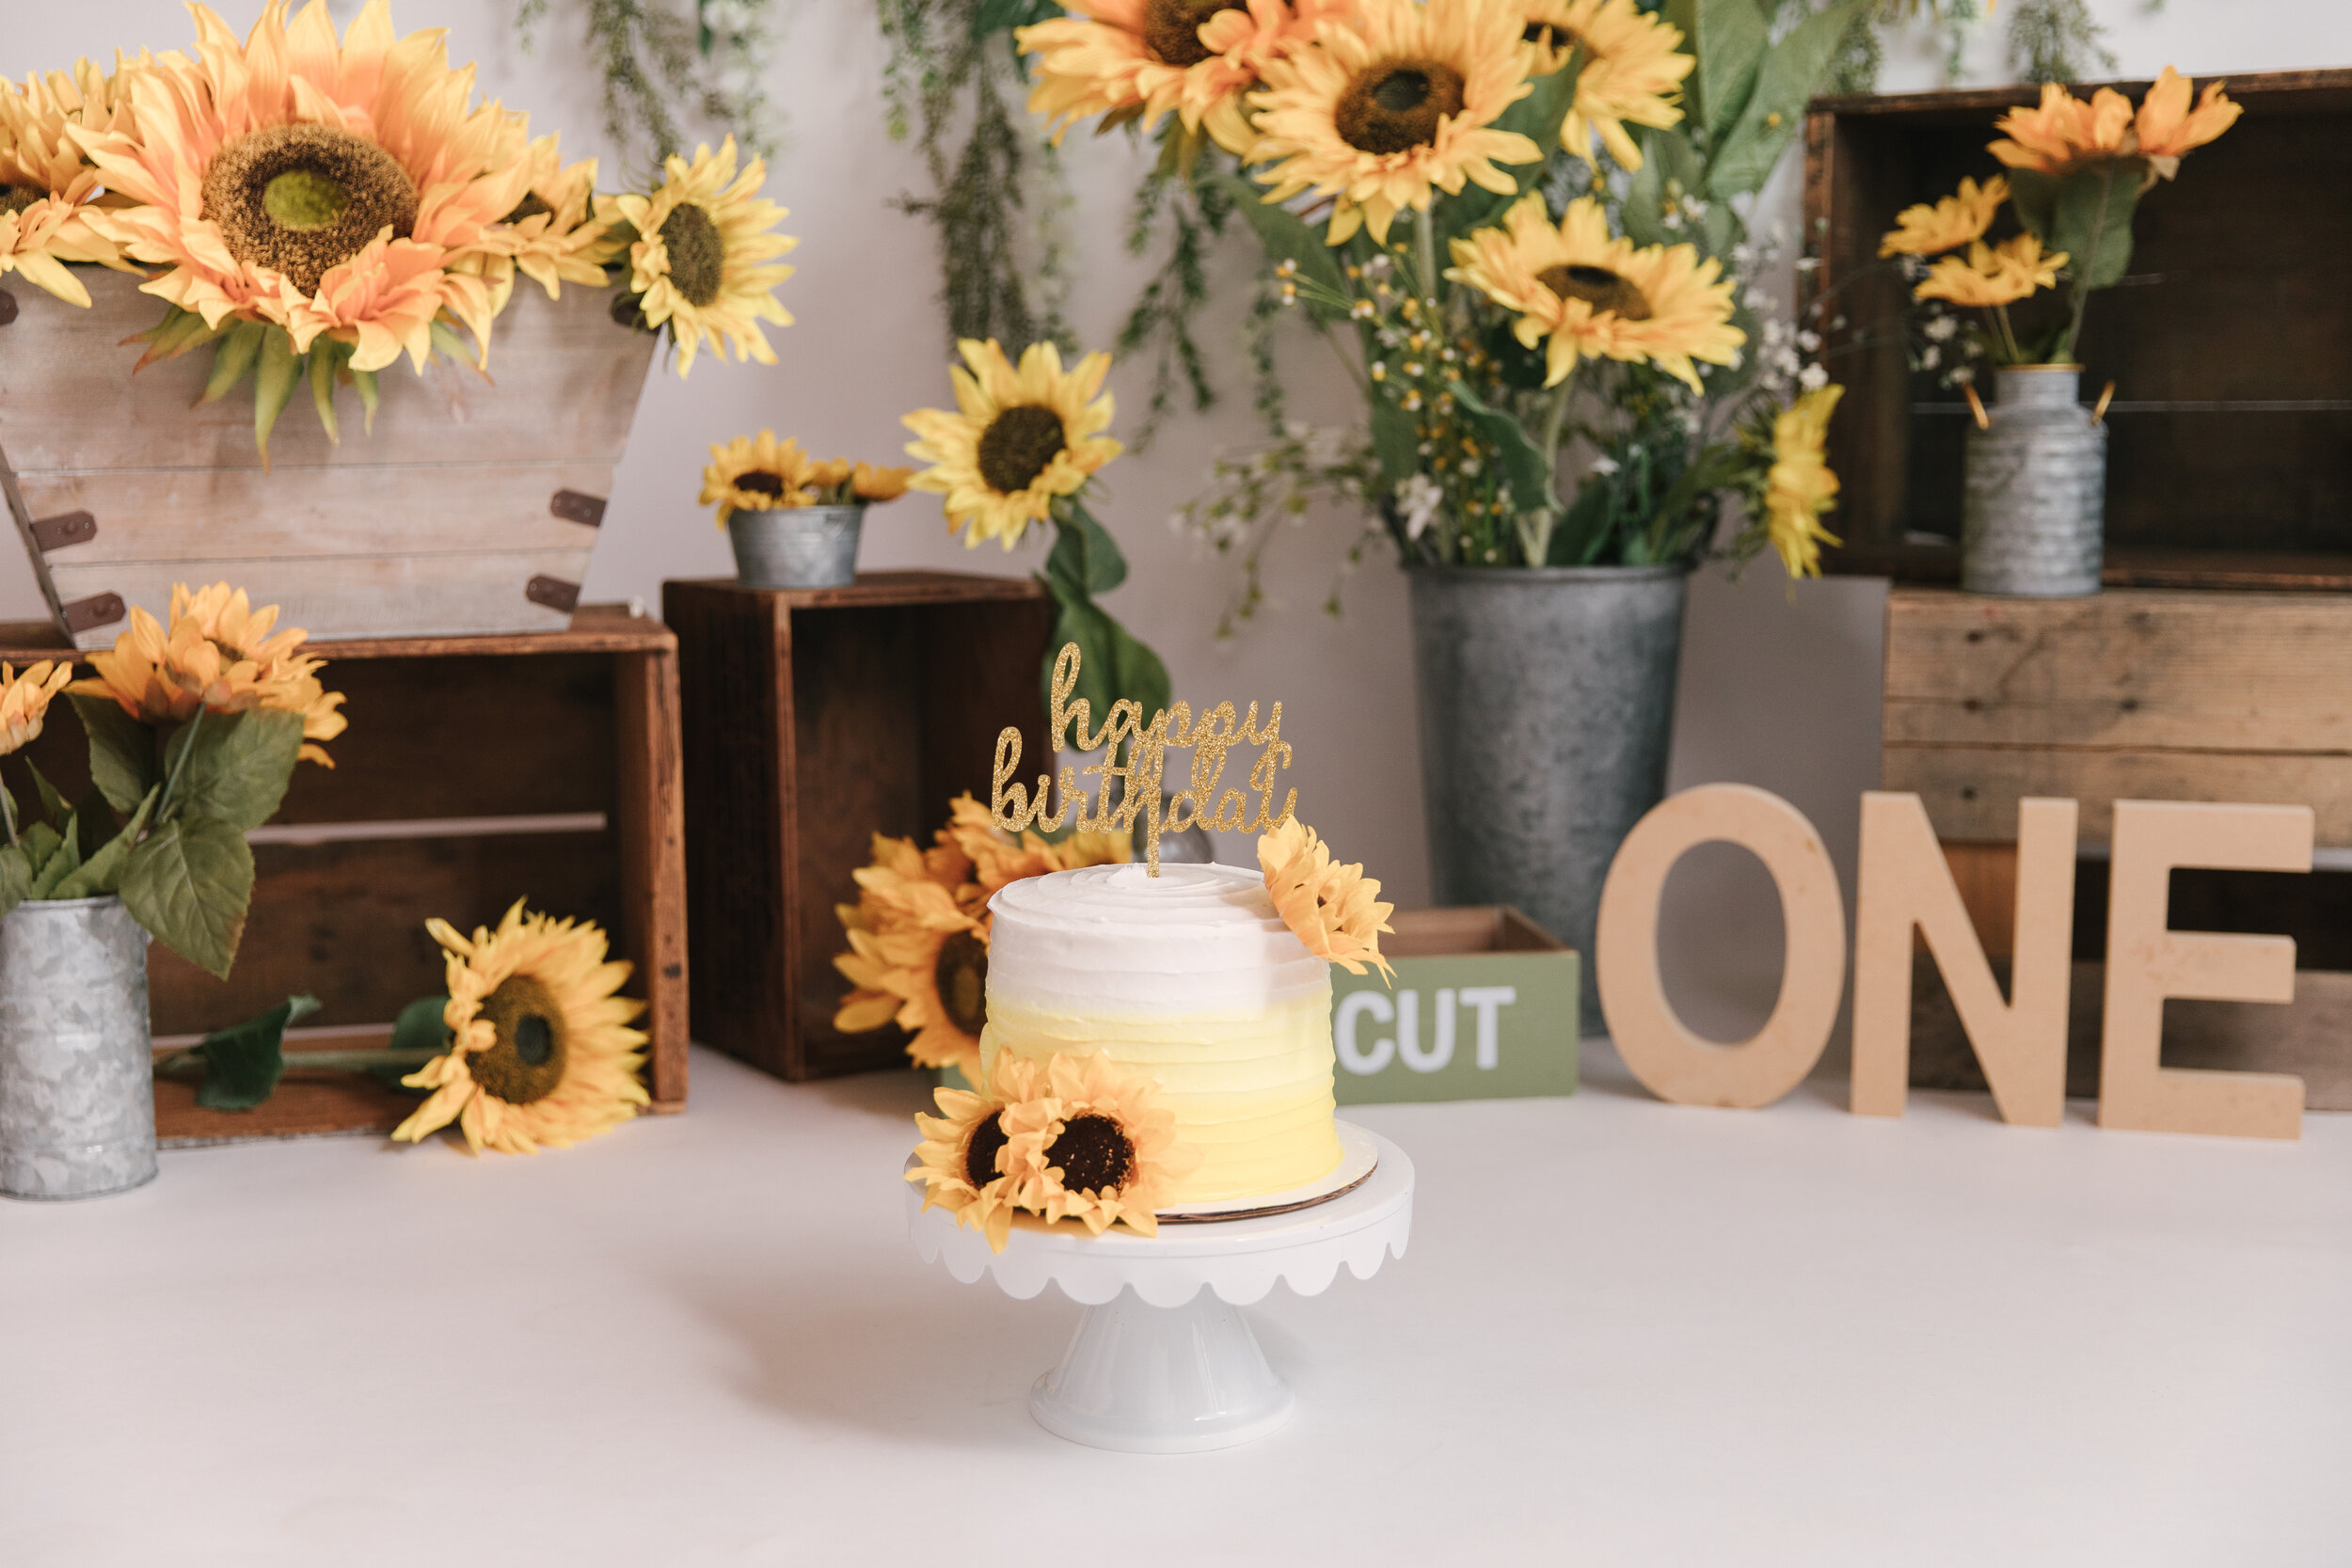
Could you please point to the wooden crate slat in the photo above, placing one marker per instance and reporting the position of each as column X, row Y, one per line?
column 649, row 822
column 1971, row 792
column 594, row 628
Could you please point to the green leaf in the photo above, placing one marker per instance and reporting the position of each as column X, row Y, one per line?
column 1727, row 37
column 52, row 805
column 1287, row 238
column 1111, row 663
column 1085, row 554
column 1774, row 113
column 16, row 878
column 272, row 386
column 244, row 1062
column 93, row 823
column 1523, row 463
column 2092, row 221
column 1667, row 157
column 234, row 357
column 322, row 360
column 1537, row 116
column 420, row 1027
column 189, row 884
column 60, row 863
column 1395, row 442
column 41, row 843
column 365, row 381
column 1003, row 16
column 122, row 752
column 100, row 872
column 237, row 766
column 1580, row 536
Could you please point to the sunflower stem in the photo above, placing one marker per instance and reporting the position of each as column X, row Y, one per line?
column 187, row 744
column 7, row 810
column 192, row 1060
column 1426, row 248
column 2082, row 277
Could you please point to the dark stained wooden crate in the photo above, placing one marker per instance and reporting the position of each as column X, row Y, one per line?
column 476, row 770
column 815, row 718
column 2230, row 458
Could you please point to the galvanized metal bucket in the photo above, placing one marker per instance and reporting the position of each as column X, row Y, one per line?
column 77, row 1106
column 1547, row 706
column 2036, row 504
column 796, row 546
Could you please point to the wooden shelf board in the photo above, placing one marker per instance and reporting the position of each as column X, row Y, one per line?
column 876, row 590
column 2130, row 566
column 596, row 628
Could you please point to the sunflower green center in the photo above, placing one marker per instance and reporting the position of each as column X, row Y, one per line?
column 15, row 198
column 1019, row 444
column 1094, row 1154
column 760, row 482
column 698, row 254
column 301, row 200
column 527, row 1063
column 529, row 207
column 1599, row 288
column 1395, row 105
column 961, row 977
column 1171, row 28
column 979, row 1155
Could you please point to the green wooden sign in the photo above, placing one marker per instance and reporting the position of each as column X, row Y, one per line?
column 1462, row 1026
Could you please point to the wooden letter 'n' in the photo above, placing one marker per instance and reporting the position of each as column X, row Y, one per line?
column 1907, row 884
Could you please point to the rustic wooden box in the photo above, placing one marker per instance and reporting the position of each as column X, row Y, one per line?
column 2137, row 694
column 2229, row 457
column 476, row 770
column 471, row 508
column 1438, row 955
column 815, row 718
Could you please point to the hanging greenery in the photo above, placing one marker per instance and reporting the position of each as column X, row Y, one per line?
column 665, row 71
column 2056, row 40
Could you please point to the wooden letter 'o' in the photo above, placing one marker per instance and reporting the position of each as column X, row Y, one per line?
column 1671, row 1061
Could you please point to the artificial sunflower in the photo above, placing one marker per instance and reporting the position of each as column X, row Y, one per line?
column 704, row 260
column 540, row 1049
column 962, row 1157
column 918, row 958
column 46, row 180
column 1096, row 1147
column 24, row 700
column 2063, row 133
column 1992, row 275
column 553, row 235
column 757, row 474
column 1018, row 440
column 2166, row 128
column 1377, row 114
column 1928, row 229
column 1333, row 909
column 217, row 653
column 1632, row 73
column 335, row 190
column 1136, row 60
column 1590, row 292
column 1800, row 486
column 876, row 486
column 998, row 858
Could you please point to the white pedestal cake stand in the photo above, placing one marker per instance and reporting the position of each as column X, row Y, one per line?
column 1163, row 1361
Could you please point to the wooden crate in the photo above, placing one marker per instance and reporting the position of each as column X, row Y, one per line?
column 476, row 770
column 121, row 485
column 815, row 718
column 2230, row 458
column 2135, row 694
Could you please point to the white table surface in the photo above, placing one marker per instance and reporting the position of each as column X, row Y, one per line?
column 1625, row 1332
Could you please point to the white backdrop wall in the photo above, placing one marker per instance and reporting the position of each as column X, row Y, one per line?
column 1779, row 688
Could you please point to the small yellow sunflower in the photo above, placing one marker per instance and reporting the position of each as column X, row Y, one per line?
column 1333, row 909
column 961, row 1156
column 1992, row 275
column 1800, row 486
column 758, row 474
column 46, row 180
column 540, row 1047
column 1377, row 115
column 1594, row 294
column 1633, row 70
column 24, row 701
column 918, row 958
column 1948, row 223
column 1017, row 440
column 1135, row 60
column 553, row 235
column 1097, row 1148
column 875, row 485
column 2166, row 128
column 704, row 258
column 998, row 858
column 217, row 653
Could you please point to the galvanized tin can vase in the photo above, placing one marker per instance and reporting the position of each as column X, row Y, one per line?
column 796, row 546
column 1547, row 705
column 77, row 1098
column 2036, row 503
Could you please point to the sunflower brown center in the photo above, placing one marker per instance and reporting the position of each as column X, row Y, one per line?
column 760, row 482
column 962, row 976
column 15, row 198
column 1171, row 28
column 1019, row 444
column 302, row 199
column 1550, row 34
column 1599, row 288
column 979, row 1155
column 1395, row 105
column 529, row 207
column 698, row 254
column 1094, row 1154
column 528, row 1061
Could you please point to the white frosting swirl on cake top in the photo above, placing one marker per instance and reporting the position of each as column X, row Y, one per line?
column 1196, row 939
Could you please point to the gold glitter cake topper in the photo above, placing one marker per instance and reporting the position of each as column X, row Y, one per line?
column 1140, row 796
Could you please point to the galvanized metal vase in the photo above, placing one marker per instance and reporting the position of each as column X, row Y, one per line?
column 2036, row 504
column 78, row 1106
column 1547, row 706
column 796, row 546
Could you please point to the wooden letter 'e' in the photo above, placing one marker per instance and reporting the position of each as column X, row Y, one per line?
column 1905, row 883
column 2147, row 962
column 1672, row 1062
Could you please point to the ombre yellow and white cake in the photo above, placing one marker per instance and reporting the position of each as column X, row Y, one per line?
column 1192, row 978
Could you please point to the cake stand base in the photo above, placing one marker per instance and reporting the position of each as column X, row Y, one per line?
column 1163, row 1361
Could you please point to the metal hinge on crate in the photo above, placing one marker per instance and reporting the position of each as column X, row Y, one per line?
column 554, row 592
column 575, row 507
column 99, row 609
column 69, row 528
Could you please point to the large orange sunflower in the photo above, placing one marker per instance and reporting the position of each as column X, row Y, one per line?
column 1140, row 59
